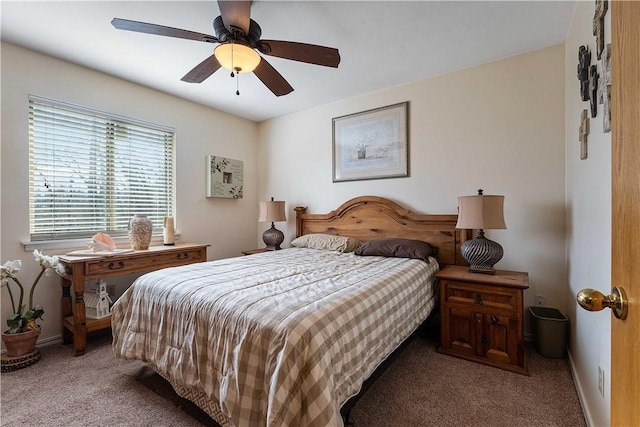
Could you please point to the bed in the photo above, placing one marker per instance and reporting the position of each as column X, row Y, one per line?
column 289, row 337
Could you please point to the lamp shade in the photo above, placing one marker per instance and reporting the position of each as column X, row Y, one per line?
column 272, row 211
column 237, row 57
column 482, row 212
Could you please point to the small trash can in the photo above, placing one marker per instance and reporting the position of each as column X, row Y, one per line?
column 550, row 331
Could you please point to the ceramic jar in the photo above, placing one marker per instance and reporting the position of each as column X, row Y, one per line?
column 140, row 229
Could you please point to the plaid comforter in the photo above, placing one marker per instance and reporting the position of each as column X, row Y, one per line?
column 276, row 339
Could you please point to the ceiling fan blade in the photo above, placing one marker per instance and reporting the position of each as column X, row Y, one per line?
column 303, row 52
column 272, row 79
column 161, row 30
column 235, row 14
column 202, row 71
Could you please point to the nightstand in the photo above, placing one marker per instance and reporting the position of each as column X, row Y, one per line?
column 482, row 317
column 255, row 251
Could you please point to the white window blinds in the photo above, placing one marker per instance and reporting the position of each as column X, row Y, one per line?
column 91, row 171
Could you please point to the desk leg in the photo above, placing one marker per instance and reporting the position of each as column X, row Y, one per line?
column 79, row 313
column 66, row 309
column 79, row 325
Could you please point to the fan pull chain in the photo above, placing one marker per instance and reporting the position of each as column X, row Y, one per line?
column 238, row 84
column 232, row 67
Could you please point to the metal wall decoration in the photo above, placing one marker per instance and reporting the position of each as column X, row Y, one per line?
column 604, row 88
column 224, row 177
column 584, row 60
column 598, row 25
column 593, row 89
column 583, row 134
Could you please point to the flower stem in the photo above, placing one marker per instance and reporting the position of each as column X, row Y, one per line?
column 13, row 304
column 15, row 279
column 33, row 287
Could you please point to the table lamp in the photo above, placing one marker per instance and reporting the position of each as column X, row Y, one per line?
column 272, row 211
column 481, row 212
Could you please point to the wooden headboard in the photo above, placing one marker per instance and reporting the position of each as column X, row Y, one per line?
column 371, row 217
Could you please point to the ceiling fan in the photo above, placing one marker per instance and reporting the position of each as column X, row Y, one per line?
column 238, row 38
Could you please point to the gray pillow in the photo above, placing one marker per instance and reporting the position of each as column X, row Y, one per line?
column 397, row 248
column 327, row 242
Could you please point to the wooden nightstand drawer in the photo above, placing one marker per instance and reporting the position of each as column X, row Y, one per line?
column 487, row 296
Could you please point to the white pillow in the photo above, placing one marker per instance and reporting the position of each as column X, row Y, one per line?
column 328, row 242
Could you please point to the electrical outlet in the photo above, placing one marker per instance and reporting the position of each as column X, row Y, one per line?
column 601, row 380
column 539, row 300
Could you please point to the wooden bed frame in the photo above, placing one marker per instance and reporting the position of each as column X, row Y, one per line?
column 371, row 217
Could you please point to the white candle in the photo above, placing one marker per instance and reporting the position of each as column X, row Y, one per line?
column 168, row 232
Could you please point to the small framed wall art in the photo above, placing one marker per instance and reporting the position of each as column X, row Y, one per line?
column 224, row 177
column 372, row 144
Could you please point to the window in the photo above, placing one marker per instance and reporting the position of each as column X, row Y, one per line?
column 91, row 171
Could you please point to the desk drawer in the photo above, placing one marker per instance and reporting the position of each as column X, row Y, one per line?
column 154, row 262
column 481, row 296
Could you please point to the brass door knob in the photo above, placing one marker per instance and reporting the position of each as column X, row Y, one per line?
column 593, row 300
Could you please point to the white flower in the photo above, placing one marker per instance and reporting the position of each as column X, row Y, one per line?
column 52, row 261
column 38, row 256
column 47, row 262
column 10, row 268
column 60, row 270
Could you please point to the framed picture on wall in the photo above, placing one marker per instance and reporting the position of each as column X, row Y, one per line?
column 372, row 144
column 224, row 177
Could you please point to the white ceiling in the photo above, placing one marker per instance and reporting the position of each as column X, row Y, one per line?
column 382, row 43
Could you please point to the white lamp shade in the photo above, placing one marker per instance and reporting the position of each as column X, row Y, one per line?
column 237, row 57
column 272, row 211
column 481, row 212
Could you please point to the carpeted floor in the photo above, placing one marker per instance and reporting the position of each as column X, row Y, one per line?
column 421, row 388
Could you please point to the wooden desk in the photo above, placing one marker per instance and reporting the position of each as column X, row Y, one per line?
column 75, row 324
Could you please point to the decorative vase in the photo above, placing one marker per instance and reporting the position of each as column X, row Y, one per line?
column 140, row 229
column 20, row 344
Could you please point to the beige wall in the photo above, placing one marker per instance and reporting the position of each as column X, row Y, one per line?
column 229, row 226
column 498, row 126
column 588, row 225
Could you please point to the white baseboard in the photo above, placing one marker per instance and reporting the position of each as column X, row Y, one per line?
column 50, row 341
column 576, row 381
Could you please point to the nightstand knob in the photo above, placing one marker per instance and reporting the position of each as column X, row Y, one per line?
column 478, row 299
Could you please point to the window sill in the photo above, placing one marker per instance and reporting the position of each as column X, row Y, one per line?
column 74, row 244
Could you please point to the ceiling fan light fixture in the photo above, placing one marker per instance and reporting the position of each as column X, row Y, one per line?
column 237, row 57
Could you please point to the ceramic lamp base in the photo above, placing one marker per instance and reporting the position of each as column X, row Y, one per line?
column 481, row 254
column 273, row 238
